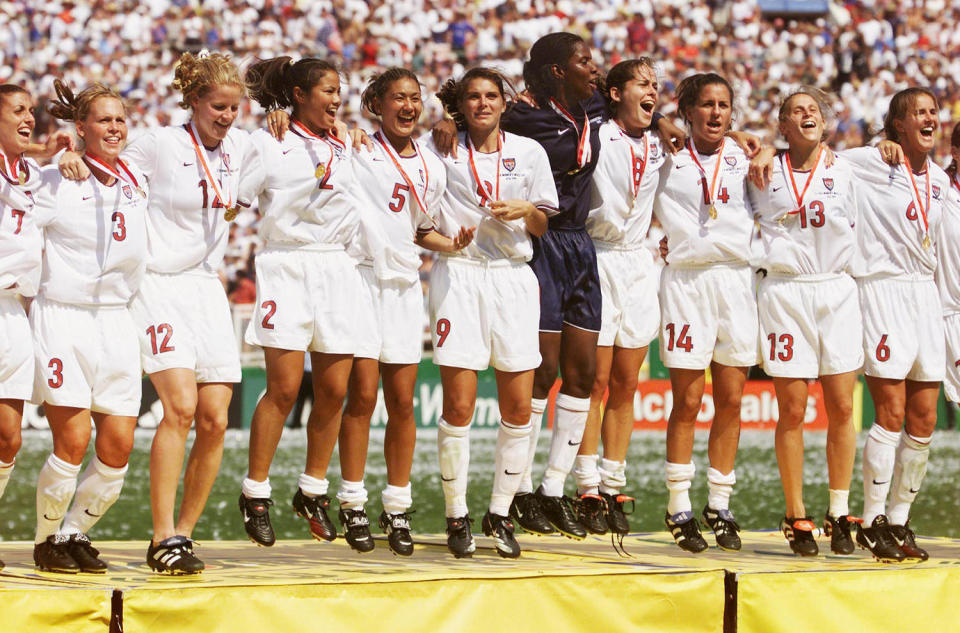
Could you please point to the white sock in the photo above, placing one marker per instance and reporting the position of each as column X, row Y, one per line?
column 509, row 461
column 679, row 480
column 613, row 476
column 453, row 449
column 839, row 503
column 908, row 471
column 352, row 495
column 5, row 471
column 720, row 487
column 537, row 407
column 879, row 455
column 586, row 472
column 396, row 499
column 99, row 488
column 56, row 484
column 253, row 489
column 311, row 486
column 569, row 423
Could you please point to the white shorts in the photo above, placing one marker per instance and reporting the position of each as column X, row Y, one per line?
column 485, row 314
column 708, row 314
column 810, row 325
column 951, row 385
column 183, row 322
column 306, row 301
column 390, row 320
column 86, row 357
column 629, row 281
column 16, row 350
column 902, row 329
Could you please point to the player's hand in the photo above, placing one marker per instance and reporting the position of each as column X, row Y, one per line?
column 761, row 167
column 673, row 137
column 749, row 143
column 507, row 210
column 891, row 153
column 664, row 249
column 829, row 157
column 445, row 137
column 61, row 139
column 358, row 137
column 524, row 96
column 278, row 122
column 72, row 167
column 463, row 238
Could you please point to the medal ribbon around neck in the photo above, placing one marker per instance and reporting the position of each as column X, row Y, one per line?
column 330, row 140
column 703, row 173
column 915, row 193
column 636, row 180
column 484, row 195
column 227, row 202
column 584, row 150
column 14, row 172
column 99, row 164
column 426, row 173
column 955, row 181
column 788, row 170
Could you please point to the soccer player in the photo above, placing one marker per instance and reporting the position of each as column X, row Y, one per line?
column 948, row 275
column 306, row 282
column 86, row 349
column 399, row 198
column 708, row 311
column 484, row 300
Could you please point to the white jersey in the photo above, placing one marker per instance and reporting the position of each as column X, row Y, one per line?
column 683, row 203
column 305, row 186
column 391, row 215
column 185, row 224
column 948, row 249
column 519, row 171
column 812, row 238
column 624, row 186
column 893, row 237
column 20, row 240
column 95, row 239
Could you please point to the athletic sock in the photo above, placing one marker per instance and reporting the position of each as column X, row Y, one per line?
column 56, row 484
column 352, row 495
column 839, row 503
column 453, row 450
column 99, row 488
column 879, row 455
column 311, row 486
column 613, row 476
column 396, row 499
column 586, row 472
column 720, row 487
column 908, row 472
column 569, row 423
column 253, row 489
column 679, row 479
column 509, row 461
column 5, row 471
column 537, row 407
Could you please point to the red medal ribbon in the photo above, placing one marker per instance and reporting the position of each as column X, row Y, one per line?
column 97, row 163
column 227, row 203
column 484, row 196
column 11, row 172
column 329, row 139
column 955, row 181
column 635, row 180
column 916, row 193
column 584, row 150
column 396, row 163
column 716, row 170
column 788, row 170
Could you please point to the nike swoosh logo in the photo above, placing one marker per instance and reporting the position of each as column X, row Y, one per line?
column 507, row 472
column 776, row 189
column 85, row 198
column 913, row 492
column 563, row 131
column 879, row 483
column 90, row 514
column 442, row 478
column 870, row 543
column 49, row 519
column 569, row 443
column 287, row 151
column 678, row 166
column 187, row 164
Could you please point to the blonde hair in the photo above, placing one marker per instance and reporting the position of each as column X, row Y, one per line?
column 195, row 76
column 70, row 107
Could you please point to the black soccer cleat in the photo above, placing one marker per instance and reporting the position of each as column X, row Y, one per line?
column 686, row 532
column 800, row 535
column 86, row 555
column 174, row 556
column 838, row 529
column 397, row 528
column 356, row 529
column 314, row 510
column 501, row 529
column 724, row 527
column 256, row 520
column 459, row 537
column 559, row 512
column 526, row 511
column 617, row 513
column 878, row 539
column 53, row 555
column 907, row 542
column 592, row 513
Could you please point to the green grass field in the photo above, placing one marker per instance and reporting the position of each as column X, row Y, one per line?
column 757, row 501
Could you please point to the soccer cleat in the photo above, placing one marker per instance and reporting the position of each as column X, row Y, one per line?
column 53, row 554
column 86, row 555
column 799, row 534
column 686, row 532
column 724, row 527
column 592, row 513
column 397, row 528
column 838, row 529
column 459, row 537
column 526, row 511
column 878, row 539
column 616, row 512
column 256, row 520
column 356, row 529
column 314, row 510
column 559, row 512
column 907, row 542
column 501, row 529
column 174, row 556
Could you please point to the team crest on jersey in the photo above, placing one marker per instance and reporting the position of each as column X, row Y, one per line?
column 654, row 151
column 509, row 163
column 127, row 191
column 226, row 161
column 828, row 183
column 421, row 175
column 731, row 160
column 936, row 192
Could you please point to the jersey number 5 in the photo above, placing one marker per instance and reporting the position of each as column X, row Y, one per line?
column 399, row 197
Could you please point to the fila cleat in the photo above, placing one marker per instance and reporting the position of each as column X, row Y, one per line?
column 800, row 535
column 356, row 529
column 397, row 528
column 838, row 529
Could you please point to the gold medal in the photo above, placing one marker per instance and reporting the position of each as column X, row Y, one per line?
column 142, row 193
column 321, row 170
column 713, row 212
column 230, row 214
column 926, row 242
column 22, row 178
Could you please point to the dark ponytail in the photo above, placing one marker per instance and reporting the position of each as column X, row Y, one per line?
column 954, row 143
column 270, row 82
column 378, row 86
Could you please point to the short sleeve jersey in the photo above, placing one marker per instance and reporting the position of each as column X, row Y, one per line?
column 21, row 242
column 948, row 249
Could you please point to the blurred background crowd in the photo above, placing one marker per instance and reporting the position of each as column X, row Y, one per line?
column 862, row 52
